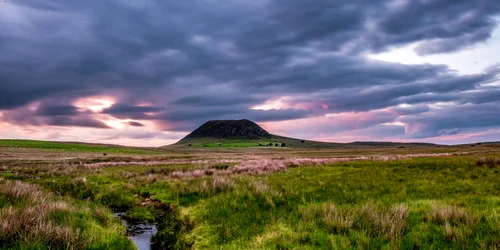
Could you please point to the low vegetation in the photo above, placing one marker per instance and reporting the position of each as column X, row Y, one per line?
column 31, row 218
column 250, row 200
column 72, row 147
column 490, row 162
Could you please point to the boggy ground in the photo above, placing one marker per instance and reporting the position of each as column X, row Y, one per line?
column 270, row 198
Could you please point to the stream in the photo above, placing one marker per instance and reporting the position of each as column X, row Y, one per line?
column 140, row 234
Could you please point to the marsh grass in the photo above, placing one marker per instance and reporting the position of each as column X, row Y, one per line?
column 329, row 207
column 457, row 223
column 286, row 200
column 204, row 187
column 42, row 219
column 490, row 162
column 368, row 218
column 451, row 214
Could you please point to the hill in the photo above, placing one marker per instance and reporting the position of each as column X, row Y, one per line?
column 245, row 133
column 229, row 129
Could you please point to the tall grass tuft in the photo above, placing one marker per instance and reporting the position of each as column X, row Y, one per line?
column 43, row 218
column 490, row 162
column 389, row 222
column 458, row 223
column 368, row 218
column 31, row 222
column 204, row 187
column 443, row 214
column 336, row 220
column 15, row 191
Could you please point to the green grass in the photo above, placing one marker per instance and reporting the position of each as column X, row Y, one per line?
column 242, row 143
column 73, row 147
column 238, row 143
column 34, row 219
column 272, row 215
column 450, row 202
column 296, row 143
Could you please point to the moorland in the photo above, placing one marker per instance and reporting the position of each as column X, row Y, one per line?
column 56, row 195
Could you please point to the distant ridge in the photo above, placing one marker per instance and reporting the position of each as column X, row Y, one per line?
column 229, row 129
column 245, row 133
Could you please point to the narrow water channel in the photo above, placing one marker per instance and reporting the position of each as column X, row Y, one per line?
column 139, row 234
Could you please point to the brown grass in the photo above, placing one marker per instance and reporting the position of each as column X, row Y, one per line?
column 390, row 222
column 259, row 167
column 207, row 186
column 220, row 164
column 458, row 223
column 336, row 220
column 252, row 167
column 490, row 162
column 16, row 190
column 31, row 222
column 449, row 214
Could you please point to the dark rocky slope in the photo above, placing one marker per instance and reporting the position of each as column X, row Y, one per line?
column 229, row 129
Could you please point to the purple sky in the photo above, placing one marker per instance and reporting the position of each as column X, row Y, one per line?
column 147, row 72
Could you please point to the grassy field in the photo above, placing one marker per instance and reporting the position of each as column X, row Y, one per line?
column 241, row 144
column 277, row 141
column 72, row 147
column 256, row 198
column 32, row 218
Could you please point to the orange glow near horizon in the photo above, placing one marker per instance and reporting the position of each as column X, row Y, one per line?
column 90, row 135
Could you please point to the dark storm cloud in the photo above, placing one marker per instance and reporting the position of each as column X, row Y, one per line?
column 452, row 118
column 193, row 61
column 381, row 131
column 385, row 96
column 75, row 121
column 347, row 72
column 482, row 96
column 56, row 110
column 214, row 100
column 276, row 114
column 135, row 124
column 126, row 111
column 201, row 114
column 189, row 118
column 53, row 116
column 446, row 25
column 53, row 112
column 20, row 86
column 411, row 110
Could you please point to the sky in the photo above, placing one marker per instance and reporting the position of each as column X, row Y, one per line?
column 147, row 72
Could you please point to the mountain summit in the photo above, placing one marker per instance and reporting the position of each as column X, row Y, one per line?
column 229, row 129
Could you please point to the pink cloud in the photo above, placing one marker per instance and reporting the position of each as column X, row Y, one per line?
column 129, row 135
